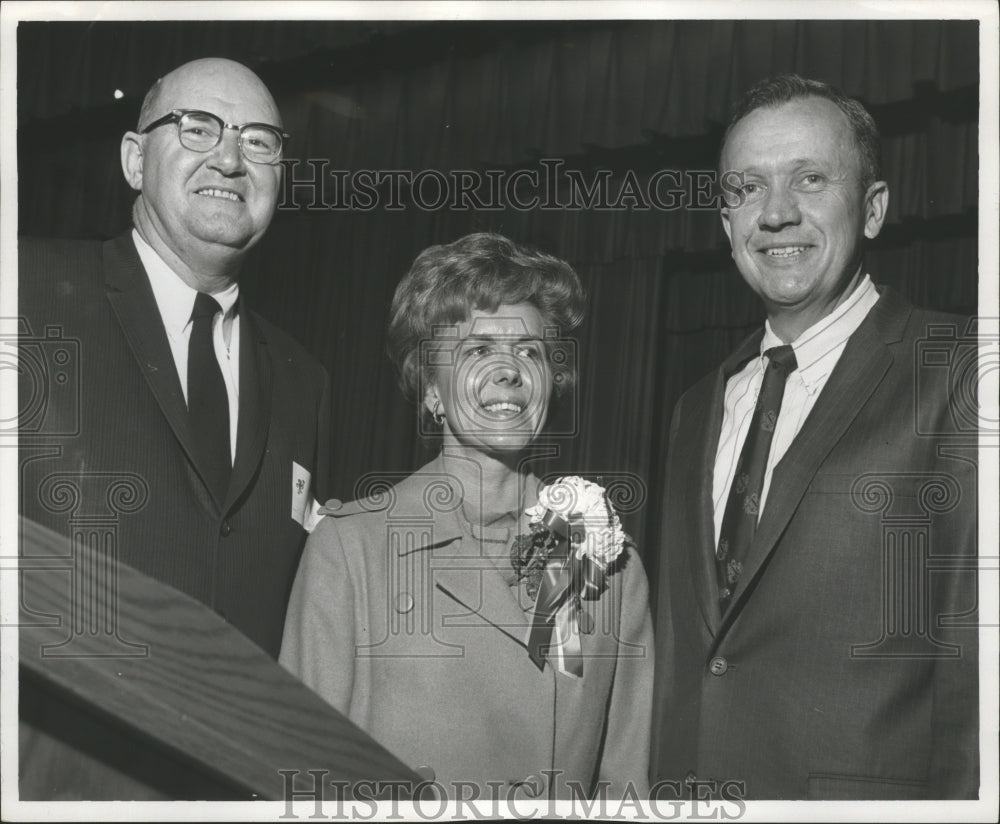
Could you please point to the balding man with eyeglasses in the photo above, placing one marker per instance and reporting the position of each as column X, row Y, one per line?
column 211, row 424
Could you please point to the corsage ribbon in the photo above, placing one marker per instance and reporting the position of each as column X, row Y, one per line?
column 564, row 581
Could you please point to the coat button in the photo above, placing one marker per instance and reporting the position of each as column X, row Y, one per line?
column 718, row 666
column 425, row 772
column 690, row 778
column 404, row 603
column 533, row 786
column 225, row 529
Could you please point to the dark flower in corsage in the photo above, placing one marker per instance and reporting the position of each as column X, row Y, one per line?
column 575, row 537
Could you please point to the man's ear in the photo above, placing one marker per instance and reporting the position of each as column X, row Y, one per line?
column 724, row 214
column 876, row 204
column 132, row 159
column 731, row 195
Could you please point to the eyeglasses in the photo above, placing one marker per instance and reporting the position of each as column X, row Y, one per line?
column 201, row 132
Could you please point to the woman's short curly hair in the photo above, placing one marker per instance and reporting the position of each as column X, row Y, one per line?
column 479, row 271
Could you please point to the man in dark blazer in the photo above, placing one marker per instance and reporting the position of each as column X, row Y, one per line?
column 112, row 452
column 836, row 656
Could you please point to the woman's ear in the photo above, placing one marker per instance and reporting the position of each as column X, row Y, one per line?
column 432, row 400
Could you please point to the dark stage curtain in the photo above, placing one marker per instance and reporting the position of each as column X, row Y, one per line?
column 624, row 99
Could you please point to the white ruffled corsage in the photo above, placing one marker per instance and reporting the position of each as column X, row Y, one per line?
column 595, row 529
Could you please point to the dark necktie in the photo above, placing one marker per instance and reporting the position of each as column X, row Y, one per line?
column 208, row 403
column 743, row 506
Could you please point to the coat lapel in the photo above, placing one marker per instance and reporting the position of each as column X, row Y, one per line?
column 131, row 298
column 704, row 444
column 861, row 368
column 469, row 587
column 471, row 572
column 461, row 571
column 255, row 405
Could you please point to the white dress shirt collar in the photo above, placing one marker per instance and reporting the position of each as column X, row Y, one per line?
column 824, row 336
column 174, row 298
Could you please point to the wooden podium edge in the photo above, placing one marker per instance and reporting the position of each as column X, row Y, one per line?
column 165, row 666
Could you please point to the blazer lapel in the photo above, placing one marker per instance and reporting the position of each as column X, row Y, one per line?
column 703, row 445
column 471, row 578
column 255, row 405
column 471, row 583
column 131, row 299
column 861, row 368
column 462, row 571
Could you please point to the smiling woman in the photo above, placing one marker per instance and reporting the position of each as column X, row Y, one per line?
column 491, row 390
column 417, row 611
column 479, row 322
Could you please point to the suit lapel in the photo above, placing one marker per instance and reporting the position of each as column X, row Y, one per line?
column 131, row 298
column 861, row 368
column 703, row 445
column 255, row 405
column 698, row 512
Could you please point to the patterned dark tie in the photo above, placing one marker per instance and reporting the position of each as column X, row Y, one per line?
column 208, row 403
column 743, row 506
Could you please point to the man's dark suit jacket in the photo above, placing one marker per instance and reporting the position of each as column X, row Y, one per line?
column 106, row 454
column 846, row 665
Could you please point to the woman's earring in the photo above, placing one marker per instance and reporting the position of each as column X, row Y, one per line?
column 437, row 414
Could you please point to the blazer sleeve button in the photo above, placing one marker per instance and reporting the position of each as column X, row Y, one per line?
column 428, row 789
column 531, row 787
column 718, row 666
column 425, row 772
